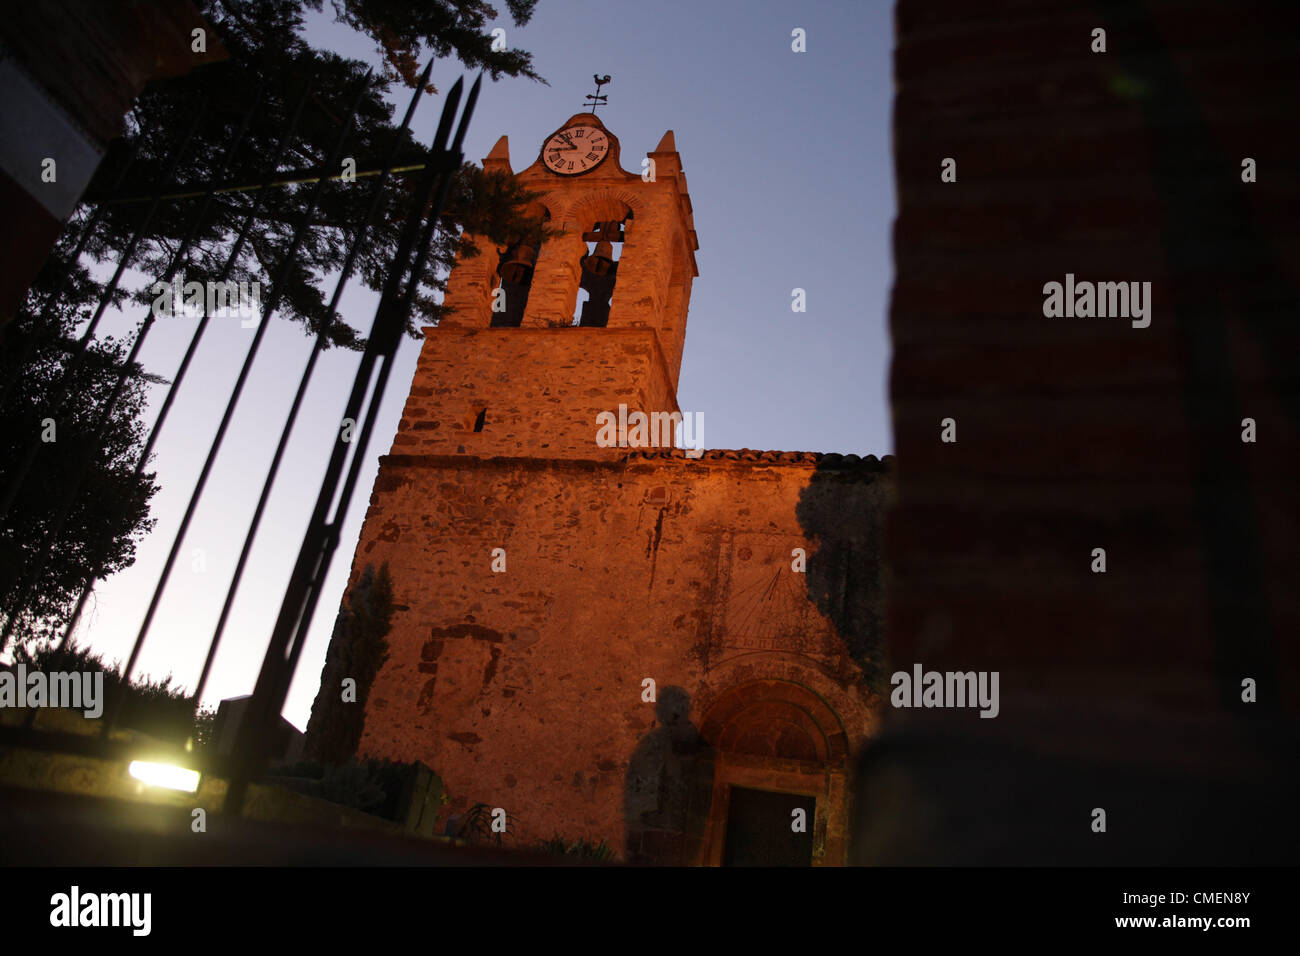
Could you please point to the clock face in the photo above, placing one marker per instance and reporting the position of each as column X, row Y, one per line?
column 575, row 149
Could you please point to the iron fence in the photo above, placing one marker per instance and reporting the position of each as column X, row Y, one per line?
column 338, row 483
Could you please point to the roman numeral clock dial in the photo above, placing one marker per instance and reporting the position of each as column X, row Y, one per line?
column 576, row 149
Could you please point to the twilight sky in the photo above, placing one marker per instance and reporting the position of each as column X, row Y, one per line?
column 791, row 180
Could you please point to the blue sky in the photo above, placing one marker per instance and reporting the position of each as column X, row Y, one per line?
column 791, row 179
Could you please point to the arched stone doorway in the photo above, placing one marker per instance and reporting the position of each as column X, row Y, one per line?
column 774, row 746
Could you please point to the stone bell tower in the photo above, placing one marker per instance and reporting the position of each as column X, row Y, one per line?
column 519, row 368
column 608, row 643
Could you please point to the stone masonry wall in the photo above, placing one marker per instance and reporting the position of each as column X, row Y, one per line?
column 540, row 390
column 523, row 689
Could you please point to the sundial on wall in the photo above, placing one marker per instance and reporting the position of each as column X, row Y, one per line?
column 766, row 605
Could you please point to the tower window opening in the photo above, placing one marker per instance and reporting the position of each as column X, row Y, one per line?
column 515, row 267
column 480, row 419
column 599, row 273
column 511, row 297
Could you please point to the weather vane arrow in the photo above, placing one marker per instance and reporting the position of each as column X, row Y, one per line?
column 596, row 99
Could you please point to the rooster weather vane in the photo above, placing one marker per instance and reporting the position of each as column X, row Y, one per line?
column 595, row 98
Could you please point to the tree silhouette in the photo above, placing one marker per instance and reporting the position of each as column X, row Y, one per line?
column 112, row 513
column 270, row 61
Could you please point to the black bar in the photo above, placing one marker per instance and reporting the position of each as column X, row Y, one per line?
column 376, row 196
column 277, row 292
column 143, row 459
column 271, row 682
column 178, row 257
column 285, row 139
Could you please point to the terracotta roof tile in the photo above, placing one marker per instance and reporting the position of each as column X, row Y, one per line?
column 822, row 459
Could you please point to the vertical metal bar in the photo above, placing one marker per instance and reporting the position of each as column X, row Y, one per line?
column 322, row 336
column 277, row 292
column 388, row 349
column 388, row 336
column 177, row 259
column 272, row 682
column 245, row 227
column 15, row 480
column 50, row 537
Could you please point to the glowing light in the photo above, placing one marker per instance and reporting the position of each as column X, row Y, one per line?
column 164, row 775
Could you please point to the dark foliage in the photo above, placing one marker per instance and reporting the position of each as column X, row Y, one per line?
column 372, row 786
column 111, row 513
column 475, row 825
column 582, row 849
column 357, row 650
column 267, row 52
column 157, row 707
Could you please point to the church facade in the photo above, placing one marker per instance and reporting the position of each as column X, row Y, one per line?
column 673, row 650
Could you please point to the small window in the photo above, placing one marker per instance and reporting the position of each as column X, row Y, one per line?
column 480, row 420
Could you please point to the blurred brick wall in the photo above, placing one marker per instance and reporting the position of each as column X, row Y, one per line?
column 1079, row 433
column 1121, row 692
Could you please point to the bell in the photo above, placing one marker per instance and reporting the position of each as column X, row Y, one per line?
column 519, row 265
column 600, row 262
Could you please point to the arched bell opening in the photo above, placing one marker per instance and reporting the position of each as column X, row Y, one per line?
column 516, row 266
column 599, row 271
